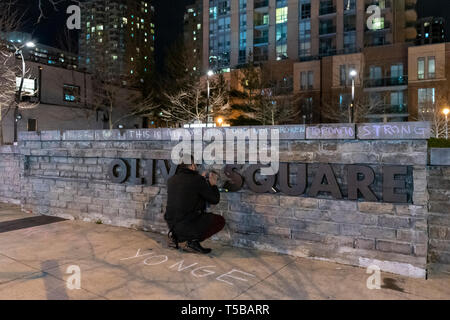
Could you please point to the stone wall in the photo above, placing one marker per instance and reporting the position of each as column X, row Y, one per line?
column 66, row 175
column 439, row 210
column 10, row 168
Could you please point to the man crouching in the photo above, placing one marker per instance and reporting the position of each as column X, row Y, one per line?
column 188, row 194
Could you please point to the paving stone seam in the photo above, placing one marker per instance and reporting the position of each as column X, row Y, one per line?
column 262, row 280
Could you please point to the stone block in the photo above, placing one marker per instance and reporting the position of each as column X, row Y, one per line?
column 337, row 205
column 322, row 227
column 263, row 199
column 376, row 207
column 378, row 232
column 298, row 202
column 396, row 247
column 412, row 236
column 440, row 156
column 366, row 244
column 277, row 231
column 307, row 236
column 394, row 222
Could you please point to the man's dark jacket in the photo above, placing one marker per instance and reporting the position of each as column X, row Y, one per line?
column 187, row 195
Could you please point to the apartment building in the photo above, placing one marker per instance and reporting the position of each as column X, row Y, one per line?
column 300, row 29
column 193, row 32
column 430, row 30
column 117, row 38
column 56, row 98
column 40, row 53
column 429, row 79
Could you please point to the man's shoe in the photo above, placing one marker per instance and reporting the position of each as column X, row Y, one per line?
column 196, row 246
column 172, row 241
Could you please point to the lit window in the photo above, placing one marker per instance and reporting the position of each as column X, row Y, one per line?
column 431, row 67
column 378, row 23
column 282, row 15
column 71, row 93
column 421, row 68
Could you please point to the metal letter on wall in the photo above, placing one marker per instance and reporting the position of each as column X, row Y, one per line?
column 390, row 184
column 284, row 181
column 235, row 182
column 150, row 168
column 135, row 173
column 166, row 171
column 259, row 187
column 122, row 174
column 363, row 186
column 325, row 171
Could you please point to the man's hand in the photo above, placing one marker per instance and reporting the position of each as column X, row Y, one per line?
column 212, row 179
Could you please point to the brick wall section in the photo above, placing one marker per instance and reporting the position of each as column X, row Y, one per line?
column 66, row 175
column 10, row 169
column 439, row 216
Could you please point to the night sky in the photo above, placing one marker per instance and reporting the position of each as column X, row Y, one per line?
column 169, row 21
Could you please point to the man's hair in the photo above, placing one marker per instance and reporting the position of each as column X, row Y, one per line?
column 187, row 165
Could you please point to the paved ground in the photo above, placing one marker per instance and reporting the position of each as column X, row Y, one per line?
column 117, row 263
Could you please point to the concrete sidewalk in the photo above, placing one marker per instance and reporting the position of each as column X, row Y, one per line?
column 117, row 263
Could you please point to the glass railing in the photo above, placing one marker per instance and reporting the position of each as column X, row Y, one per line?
column 390, row 108
column 327, row 30
column 386, row 82
column 327, row 9
column 261, row 40
column 261, row 57
column 261, row 4
column 349, row 27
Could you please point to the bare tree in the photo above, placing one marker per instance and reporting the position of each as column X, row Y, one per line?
column 189, row 104
column 431, row 110
column 262, row 101
column 364, row 106
column 10, row 20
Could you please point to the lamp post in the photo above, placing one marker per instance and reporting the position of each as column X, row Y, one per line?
column 351, row 112
column 220, row 121
column 209, row 74
column 446, row 111
column 19, row 96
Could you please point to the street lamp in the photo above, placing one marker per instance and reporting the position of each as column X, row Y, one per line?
column 29, row 44
column 220, row 121
column 446, row 111
column 351, row 114
column 209, row 74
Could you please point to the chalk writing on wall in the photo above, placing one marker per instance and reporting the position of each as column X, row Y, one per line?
column 407, row 130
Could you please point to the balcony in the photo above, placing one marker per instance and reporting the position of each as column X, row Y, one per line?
column 327, row 29
column 261, row 24
column 261, row 4
column 387, row 4
column 261, row 40
column 261, row 57
column 400, row 109
column 327, row 52
column 386, row 82
column 327, row 9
